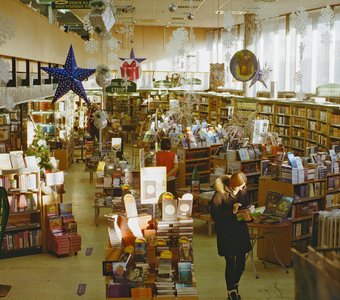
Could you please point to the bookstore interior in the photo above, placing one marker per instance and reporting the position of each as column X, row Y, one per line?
column 123, row 125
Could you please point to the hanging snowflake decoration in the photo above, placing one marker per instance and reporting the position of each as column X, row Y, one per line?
column 326, row 38
column 91, row 46
column 327, row 15
column 239, row 126
column 91, row 63
column 112, row 56
column 114, row 44
column 300, row 20
column 301, row 50
column 266, row 71
column 6, row 28
column 184, row 110
column 126, row 29
column 178, row 41
column 266, row 16
column 229, row 40
column 228, row 20
column 5, row 74
column 9, row 102
column 100, row 119
column 87, row 24
column 298, row 78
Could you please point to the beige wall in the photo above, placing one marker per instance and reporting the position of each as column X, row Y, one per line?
column 36, row 39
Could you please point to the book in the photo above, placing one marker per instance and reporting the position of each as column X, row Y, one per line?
column 52, row 209
column 140, row 250
column 184, row 272
column 55, row 224
column 292, row 160
column 119, row 271
column 118, row 290
column 135, row 274
column 70, row 227
column 5, row 161
column 185, row 252
column 139, row 292
column 169, row 208
column 107, row 268
column 184, row 208
column 65, row 209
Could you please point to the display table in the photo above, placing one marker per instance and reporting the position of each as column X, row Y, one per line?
column 270, row 247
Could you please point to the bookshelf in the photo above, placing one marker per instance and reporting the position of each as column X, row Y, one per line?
column 188, row 159
column 24, row 232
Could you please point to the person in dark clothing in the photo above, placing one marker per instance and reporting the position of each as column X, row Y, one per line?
column 233, row 241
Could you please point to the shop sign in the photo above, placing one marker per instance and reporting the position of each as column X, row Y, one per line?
column 71, row 4
column 162, row 84
column 120, row 86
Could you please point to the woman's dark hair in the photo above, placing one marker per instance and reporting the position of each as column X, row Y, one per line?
column 165, row 144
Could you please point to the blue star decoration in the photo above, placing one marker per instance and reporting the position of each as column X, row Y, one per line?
column 132, row 56
column 70, row 77
column 261, row 75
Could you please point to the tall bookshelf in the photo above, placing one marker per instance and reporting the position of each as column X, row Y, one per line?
column 24, row 232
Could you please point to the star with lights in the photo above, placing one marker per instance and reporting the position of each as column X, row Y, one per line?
column 70, row 77
column 261, row 75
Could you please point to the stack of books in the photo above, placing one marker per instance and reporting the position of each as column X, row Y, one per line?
column 164, row 280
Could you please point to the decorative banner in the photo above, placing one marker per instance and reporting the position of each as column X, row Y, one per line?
column 130, row 68
column 71, row 4
column 118, row 86
column 162, row 84
column 70, row 77
column 216, row 76
column 243, row 65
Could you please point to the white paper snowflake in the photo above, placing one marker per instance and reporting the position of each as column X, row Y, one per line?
column 266, row 71
column 6, row 28
column 326, row 38
column 91, row 46
column 265, row 16
column 87, row 24
column 178, row 41
column 301, row 50
column 300, row 20
column 229, row 40
column 114, row 44
column 228, row 20
column 5, row 73
column 227, row 57
column 126, row 29
column 298, row 78
column 327, row 15
column 185, row 108
column 92, row 63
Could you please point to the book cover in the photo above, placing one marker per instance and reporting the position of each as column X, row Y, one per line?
column 184, row 272
column 65, row 209
column 118, row 290
column 135, row 274
column 292, row 160
column 107, row 268
column 55, row 224
column 119, row 271
column 164, row 268
column 141, row 292
column 5, row 161
column 70, row 227
column 169, row 209
column 184, row 208
column 185, row 252
column 140, row 250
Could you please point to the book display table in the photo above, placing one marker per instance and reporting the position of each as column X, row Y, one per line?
column 269, row 245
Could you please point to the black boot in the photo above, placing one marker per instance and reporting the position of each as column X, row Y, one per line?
column 238, row 294
column 232, row 295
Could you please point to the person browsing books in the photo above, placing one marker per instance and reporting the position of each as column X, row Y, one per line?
column 168, row 159
column 233, row 241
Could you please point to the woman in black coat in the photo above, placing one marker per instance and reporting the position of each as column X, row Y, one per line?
column 233, row 241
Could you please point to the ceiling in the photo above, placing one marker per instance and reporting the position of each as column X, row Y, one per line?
column 157, row 13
